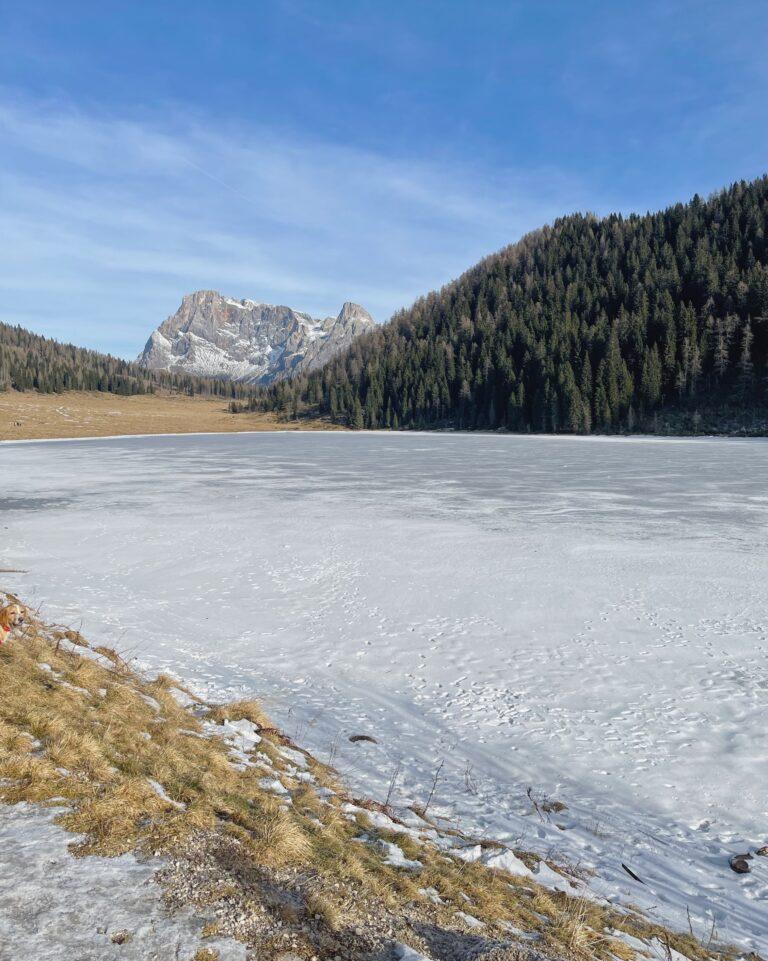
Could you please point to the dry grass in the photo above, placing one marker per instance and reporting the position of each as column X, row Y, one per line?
column 206, row 954
column 239, row 710
column 321, row 908
column 32, row 416
column 95, row 734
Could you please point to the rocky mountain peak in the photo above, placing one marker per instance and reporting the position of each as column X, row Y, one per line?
column 352, row 311
column 211, row 335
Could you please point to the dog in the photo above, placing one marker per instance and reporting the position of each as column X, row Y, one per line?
column 11, row 617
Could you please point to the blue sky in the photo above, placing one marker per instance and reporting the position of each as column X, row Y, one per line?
column 309, row 153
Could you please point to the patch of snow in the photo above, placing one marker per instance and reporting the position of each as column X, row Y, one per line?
column 385, row 823
column 181, row 697
column 508, row 861
column 638, row 946
column 404, row 953
column 547, row 878
column 243, row 734
column 296, row 757
column 519, row 932
column 241, row 737
column 72, row 648
column 77, row 690
column 470, row 921
column 315, row 331
column 661, row 951
column 150, row 701
column 274, row 785
column 162, row 793
column 56, row 907
column 431, row 895
column 47, row 669
column 472, row 853
column 394, row 856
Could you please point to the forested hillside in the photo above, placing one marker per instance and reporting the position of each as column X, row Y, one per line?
column 643, row 322
column 31, row 362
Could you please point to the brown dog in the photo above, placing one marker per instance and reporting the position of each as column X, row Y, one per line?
column 11, row 616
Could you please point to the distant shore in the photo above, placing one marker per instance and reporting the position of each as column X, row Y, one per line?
column 31, row 416
column 79, row 415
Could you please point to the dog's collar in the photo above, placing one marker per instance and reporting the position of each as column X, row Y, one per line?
column 5, row 628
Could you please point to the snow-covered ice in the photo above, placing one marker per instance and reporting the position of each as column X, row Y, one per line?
column 586, row 618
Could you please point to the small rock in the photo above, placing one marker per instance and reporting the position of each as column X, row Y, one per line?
column 763, row 851
column 120, row 937
column 740, row 863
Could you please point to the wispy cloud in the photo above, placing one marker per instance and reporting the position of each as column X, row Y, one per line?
column 106, row 222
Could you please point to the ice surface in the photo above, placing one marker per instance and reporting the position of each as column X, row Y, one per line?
column 586, row 618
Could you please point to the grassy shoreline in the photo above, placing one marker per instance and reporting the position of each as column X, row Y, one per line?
column 28, row 415
column 251, row 826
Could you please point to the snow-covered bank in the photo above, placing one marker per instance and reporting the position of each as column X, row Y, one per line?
column 250, row 833
column 586, row 618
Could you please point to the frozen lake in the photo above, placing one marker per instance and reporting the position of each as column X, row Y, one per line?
column 584, row 617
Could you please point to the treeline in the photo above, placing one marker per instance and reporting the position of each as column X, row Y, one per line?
column 31, row 362
column 621, row 323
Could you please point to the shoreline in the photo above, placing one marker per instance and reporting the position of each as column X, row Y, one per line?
column 181, row 433
column 341, row 431
column 29, row 417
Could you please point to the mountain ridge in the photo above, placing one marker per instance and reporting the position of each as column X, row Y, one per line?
column 247, row 341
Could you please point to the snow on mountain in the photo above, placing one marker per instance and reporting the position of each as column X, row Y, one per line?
column 215, row 336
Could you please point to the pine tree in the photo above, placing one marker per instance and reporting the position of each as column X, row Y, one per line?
column 358, row 422
column 746, row 367
column 651, row 382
